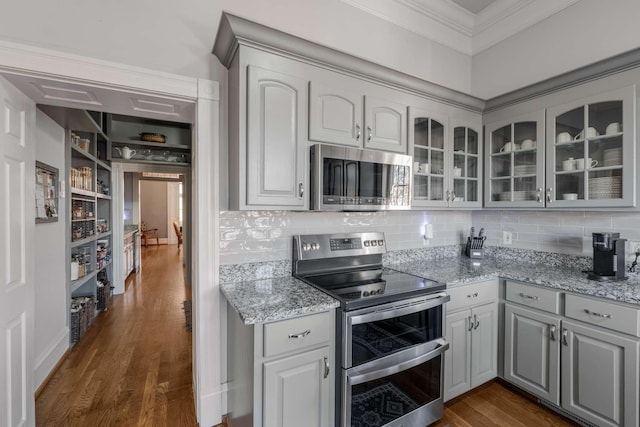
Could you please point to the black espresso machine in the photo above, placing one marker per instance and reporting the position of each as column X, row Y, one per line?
column 608, row 257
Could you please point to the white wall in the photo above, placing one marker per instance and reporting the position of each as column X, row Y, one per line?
column 255, row 236
column 177, row 37
column 586, row 32
column 153, row 205
column 51, row 330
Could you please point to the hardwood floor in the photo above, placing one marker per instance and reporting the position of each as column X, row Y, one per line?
column 133, row 367
column 493, row 404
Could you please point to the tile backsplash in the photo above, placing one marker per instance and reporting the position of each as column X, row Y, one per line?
column 552, row 231
column 256, row 236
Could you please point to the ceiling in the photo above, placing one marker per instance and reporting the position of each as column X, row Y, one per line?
column 468, row 26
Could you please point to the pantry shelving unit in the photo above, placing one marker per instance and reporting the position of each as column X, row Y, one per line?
column 89, row 233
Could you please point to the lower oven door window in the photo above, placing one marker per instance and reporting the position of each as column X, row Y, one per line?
column 409, row 393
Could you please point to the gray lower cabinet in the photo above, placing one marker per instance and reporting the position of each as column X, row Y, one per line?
column 532, row 351
column 600, row 375
column 473, row 345
column 298, row 390
column 281, row 374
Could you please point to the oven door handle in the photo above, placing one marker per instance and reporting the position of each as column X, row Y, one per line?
column 373, row 374
column 396, row 311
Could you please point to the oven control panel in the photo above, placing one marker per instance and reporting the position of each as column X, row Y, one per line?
column 317, row 246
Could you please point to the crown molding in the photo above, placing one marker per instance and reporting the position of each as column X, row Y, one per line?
column 235, row 32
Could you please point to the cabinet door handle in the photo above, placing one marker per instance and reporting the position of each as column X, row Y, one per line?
column 477, row 322
column 593, row 313
column 300, row 335
column 549, row 198
column 301, row 188
column 326, row 367
column 358, row 132
column 552, row 332
column 565, row 333
column 473, row 295
column 370, row 135
column 531, row 297
column 453, row 196
column 470, row 324
column 539, row 195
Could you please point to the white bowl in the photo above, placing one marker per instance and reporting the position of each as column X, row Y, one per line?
column 570, row 196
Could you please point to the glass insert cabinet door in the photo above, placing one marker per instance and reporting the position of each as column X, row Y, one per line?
column 515, row 162
column 427, row 136
column 590, row 155
column 467, row 166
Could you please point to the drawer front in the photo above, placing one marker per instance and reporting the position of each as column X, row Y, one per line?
column 471, row 295
column 297, row 334
column 605, row 314
column 533, row 296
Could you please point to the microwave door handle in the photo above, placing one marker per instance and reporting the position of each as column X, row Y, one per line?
column 366, row 376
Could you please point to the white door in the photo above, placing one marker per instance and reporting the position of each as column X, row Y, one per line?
column 484, row 344
column 457, row 378
column 17, row 223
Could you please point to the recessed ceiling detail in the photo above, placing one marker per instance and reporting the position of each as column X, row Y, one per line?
column 60, row 93
column 468, row 26
column 142, row 105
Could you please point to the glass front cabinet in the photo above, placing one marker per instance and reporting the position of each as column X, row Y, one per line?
column 590, row 152
column 446, row 160
column 515, row 162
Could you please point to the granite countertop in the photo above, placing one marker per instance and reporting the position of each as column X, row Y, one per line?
column 280, row 298
column 130, row 229
column 456, row 271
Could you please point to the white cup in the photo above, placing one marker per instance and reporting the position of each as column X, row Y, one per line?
column 425, row 168
column 591, row 132
column 569, row 164
column 508, row 147
column 527, row 144
column 580, row 163
column 613, row 128
column 457, row 171
column 563, row 137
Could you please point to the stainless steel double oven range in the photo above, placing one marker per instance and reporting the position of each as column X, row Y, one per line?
column 390, row 331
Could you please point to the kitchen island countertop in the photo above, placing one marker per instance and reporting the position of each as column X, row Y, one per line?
column 457, row 271
column 280, row 298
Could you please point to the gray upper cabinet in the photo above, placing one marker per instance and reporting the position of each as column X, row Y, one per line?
column 385, row 125
column 466, row 163
column 335, row 116
column 591, row 153
column 339, row 116
column 600, row 375
column 276, row 165
column 514, row 161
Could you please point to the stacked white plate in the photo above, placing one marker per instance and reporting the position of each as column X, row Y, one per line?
column 518, row 196
column 524, row 170
column 606, row 187
column 612, row 157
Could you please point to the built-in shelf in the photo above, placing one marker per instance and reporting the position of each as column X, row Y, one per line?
column 82, row 242
column 77, row 284
column 151, row 162
column 141, row 143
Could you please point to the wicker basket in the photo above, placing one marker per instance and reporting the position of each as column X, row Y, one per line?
column 153, row 137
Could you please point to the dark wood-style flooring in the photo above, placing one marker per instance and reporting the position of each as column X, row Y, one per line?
column 133, row 367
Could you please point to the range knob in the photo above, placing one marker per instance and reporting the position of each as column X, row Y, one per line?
column 306, row 246
column 374, row 243
column 315, row 246
column 380, row 242
column 365, row 293
column 367, row 244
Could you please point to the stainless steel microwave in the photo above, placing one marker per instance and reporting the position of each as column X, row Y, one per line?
column 353, row 179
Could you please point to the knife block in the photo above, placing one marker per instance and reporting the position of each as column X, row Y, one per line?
column 474, row 247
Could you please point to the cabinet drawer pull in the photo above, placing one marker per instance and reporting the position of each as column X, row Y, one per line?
column 531, row 297
column 473, row 295
column 603, row 315
column 326, row 367
column 552, row 332
column 300, row 335
column 358, row 132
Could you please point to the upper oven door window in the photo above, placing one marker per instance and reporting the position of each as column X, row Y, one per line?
column 378, row 334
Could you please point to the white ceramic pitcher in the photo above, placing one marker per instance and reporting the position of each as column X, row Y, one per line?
column 125, row 152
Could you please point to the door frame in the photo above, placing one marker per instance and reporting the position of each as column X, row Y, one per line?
column 20, row 59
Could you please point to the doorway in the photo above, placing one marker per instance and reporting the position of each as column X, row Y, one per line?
column 54, row 78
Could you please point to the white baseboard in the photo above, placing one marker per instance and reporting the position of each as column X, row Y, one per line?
column 211, row 407
column 51, row 356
